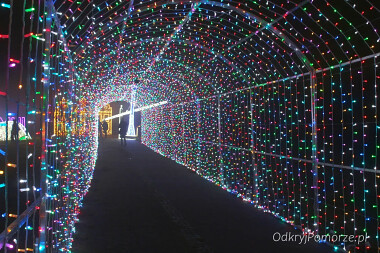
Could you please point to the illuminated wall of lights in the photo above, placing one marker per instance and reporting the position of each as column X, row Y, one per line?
column 258, row 144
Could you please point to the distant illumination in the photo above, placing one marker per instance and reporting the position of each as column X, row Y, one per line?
column 21, row 134
column 131, row 126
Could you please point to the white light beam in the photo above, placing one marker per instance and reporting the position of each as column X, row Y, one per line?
column 136, row 110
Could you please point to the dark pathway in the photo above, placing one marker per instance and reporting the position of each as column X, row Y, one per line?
column 140, row 201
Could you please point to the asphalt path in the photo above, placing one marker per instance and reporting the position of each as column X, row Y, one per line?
column 140, row 201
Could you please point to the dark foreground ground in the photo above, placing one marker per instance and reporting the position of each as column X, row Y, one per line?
column 140, row 201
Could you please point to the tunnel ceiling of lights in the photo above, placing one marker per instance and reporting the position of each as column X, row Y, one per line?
column 184, row 50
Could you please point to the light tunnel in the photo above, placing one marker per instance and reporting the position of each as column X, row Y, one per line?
column 274, row 101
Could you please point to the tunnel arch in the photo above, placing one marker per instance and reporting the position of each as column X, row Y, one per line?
column 288, row 39
column 288, row 47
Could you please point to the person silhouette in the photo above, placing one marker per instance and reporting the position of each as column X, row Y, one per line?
column 123, row 131
column 15, row 129
column 105, row 128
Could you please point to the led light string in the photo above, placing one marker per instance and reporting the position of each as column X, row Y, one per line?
column 305, row 193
